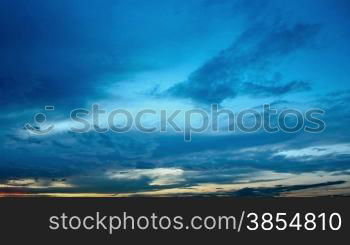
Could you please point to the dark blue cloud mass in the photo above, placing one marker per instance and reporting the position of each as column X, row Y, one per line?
column 168, row 55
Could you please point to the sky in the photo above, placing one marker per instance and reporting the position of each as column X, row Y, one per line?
column 168, row 55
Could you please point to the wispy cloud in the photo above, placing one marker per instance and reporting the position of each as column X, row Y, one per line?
column 157, row 176
column 316, row 152
column 29, row 184
column 252, row 52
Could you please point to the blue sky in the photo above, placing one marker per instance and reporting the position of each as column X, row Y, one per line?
column 169, row 55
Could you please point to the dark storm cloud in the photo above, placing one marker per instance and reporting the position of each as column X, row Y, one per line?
column 253, row 51
column 70, row 52
column 72, row 154
column 61, row 52
column 52, row 54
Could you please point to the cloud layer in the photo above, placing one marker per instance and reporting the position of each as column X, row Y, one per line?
column 165, row 55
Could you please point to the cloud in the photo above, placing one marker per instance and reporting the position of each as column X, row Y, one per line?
column 266, row 183
column 35, row 184
column 254, row 51
column 69, row 53
column 70, row 154
column 281, row 190
column 275, row 90
column 316, row 152
column 158, row 176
